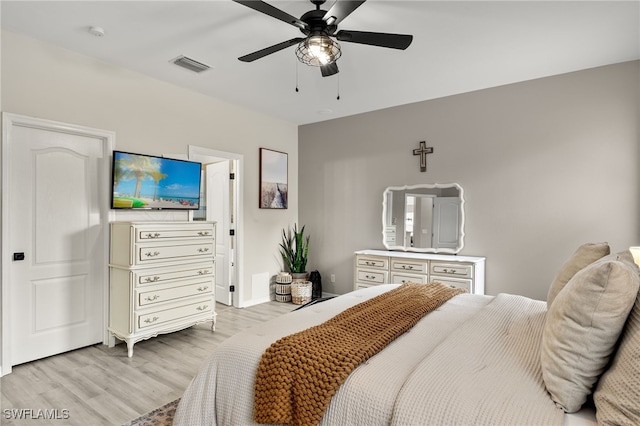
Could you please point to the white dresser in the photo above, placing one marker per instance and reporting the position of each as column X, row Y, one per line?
column 161, row 277
column 373, row 267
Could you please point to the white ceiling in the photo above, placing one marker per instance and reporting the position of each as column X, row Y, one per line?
column 458, row 46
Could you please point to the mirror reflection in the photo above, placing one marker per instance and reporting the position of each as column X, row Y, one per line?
column 423, row 218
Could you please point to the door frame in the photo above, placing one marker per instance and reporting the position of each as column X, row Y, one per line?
column 9, row 121
column 201, row 154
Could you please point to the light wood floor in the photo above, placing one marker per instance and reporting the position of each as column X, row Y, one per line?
column 99, row 385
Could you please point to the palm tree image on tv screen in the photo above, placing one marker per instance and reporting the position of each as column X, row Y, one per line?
column 147, row 182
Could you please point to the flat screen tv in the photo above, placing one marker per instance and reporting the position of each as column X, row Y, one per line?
column 147, row 182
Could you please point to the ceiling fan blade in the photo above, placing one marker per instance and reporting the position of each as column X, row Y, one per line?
column 269, row 50
column 394, row 41
column 274, row 12
column 340, row 10
column 329, row 70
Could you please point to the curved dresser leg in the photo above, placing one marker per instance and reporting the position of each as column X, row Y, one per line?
column 213, row 322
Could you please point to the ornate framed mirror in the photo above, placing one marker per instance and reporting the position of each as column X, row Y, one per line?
column 426, row 218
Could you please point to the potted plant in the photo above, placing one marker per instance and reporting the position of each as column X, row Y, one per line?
column 294, row 249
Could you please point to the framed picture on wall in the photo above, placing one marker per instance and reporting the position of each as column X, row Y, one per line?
column 274, row 181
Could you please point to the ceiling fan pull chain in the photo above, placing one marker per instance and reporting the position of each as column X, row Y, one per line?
column 338, row 98
column 297, row 77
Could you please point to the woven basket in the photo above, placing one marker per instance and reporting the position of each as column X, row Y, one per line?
column 283, row 297
column 283, row 287
column 283, row 278
column 283, row 292
column 301, row 292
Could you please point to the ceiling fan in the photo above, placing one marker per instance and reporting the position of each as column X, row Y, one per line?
column 318, row 48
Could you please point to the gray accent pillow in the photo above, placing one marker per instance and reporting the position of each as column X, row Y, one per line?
column 582, row 328
column 585, row 255
column 617, row 396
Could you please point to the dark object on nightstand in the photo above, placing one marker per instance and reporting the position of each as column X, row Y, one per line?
column 316, row 281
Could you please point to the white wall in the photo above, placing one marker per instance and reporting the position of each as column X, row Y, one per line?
column 153, row 117
column 545, row 165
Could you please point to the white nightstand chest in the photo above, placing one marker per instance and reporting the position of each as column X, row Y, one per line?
column 161, row 278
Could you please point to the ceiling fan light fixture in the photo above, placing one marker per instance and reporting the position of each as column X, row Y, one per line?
column 318, row 50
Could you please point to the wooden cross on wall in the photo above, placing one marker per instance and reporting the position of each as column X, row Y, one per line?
column 422, row 152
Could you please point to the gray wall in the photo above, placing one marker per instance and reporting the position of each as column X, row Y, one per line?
column 545, row 165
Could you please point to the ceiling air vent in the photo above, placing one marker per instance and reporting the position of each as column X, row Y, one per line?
column 190, row 64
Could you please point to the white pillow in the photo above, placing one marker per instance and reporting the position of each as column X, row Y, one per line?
column 584, row 255
column 582, row 327
column 617, row 396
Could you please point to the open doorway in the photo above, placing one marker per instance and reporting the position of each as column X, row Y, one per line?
column 222, row 192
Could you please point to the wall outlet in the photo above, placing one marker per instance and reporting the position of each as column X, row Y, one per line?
column 333, row 278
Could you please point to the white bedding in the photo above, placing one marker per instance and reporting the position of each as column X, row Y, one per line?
column 472, row 361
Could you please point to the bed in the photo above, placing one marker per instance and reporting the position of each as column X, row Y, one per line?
column 476, row 359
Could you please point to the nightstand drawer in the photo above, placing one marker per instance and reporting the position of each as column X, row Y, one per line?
column 406, row 265
column 160, row 295
column 452, row 269
column 373, row 262
column 200, row 307
column 372, row 277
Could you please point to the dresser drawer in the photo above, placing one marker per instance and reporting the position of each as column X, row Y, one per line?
column 452, row 269
column 161, row 275
column 400, row 278
column 407, row 265
column 156, row 253
column 372, row 277
column 453, row 282
column 162, row 294
column 148, row 233
column 203, row 306
column 370, row 262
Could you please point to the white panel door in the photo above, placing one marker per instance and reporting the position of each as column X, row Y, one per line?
column 218, row 210
column 56, row 240
column 446, row 222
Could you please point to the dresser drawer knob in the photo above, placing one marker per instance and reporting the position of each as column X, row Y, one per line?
column 154, row 254
column 407, row 267
column 203, row 250
column 202, row 308
column 151, row 320
column 151, row 279
column 203, row 288
column 203, row 233
column 204, row 272
column 151, row 298
column 370, row 277
column 156, row 235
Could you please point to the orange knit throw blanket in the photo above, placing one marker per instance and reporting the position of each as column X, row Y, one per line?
column 299, row 374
